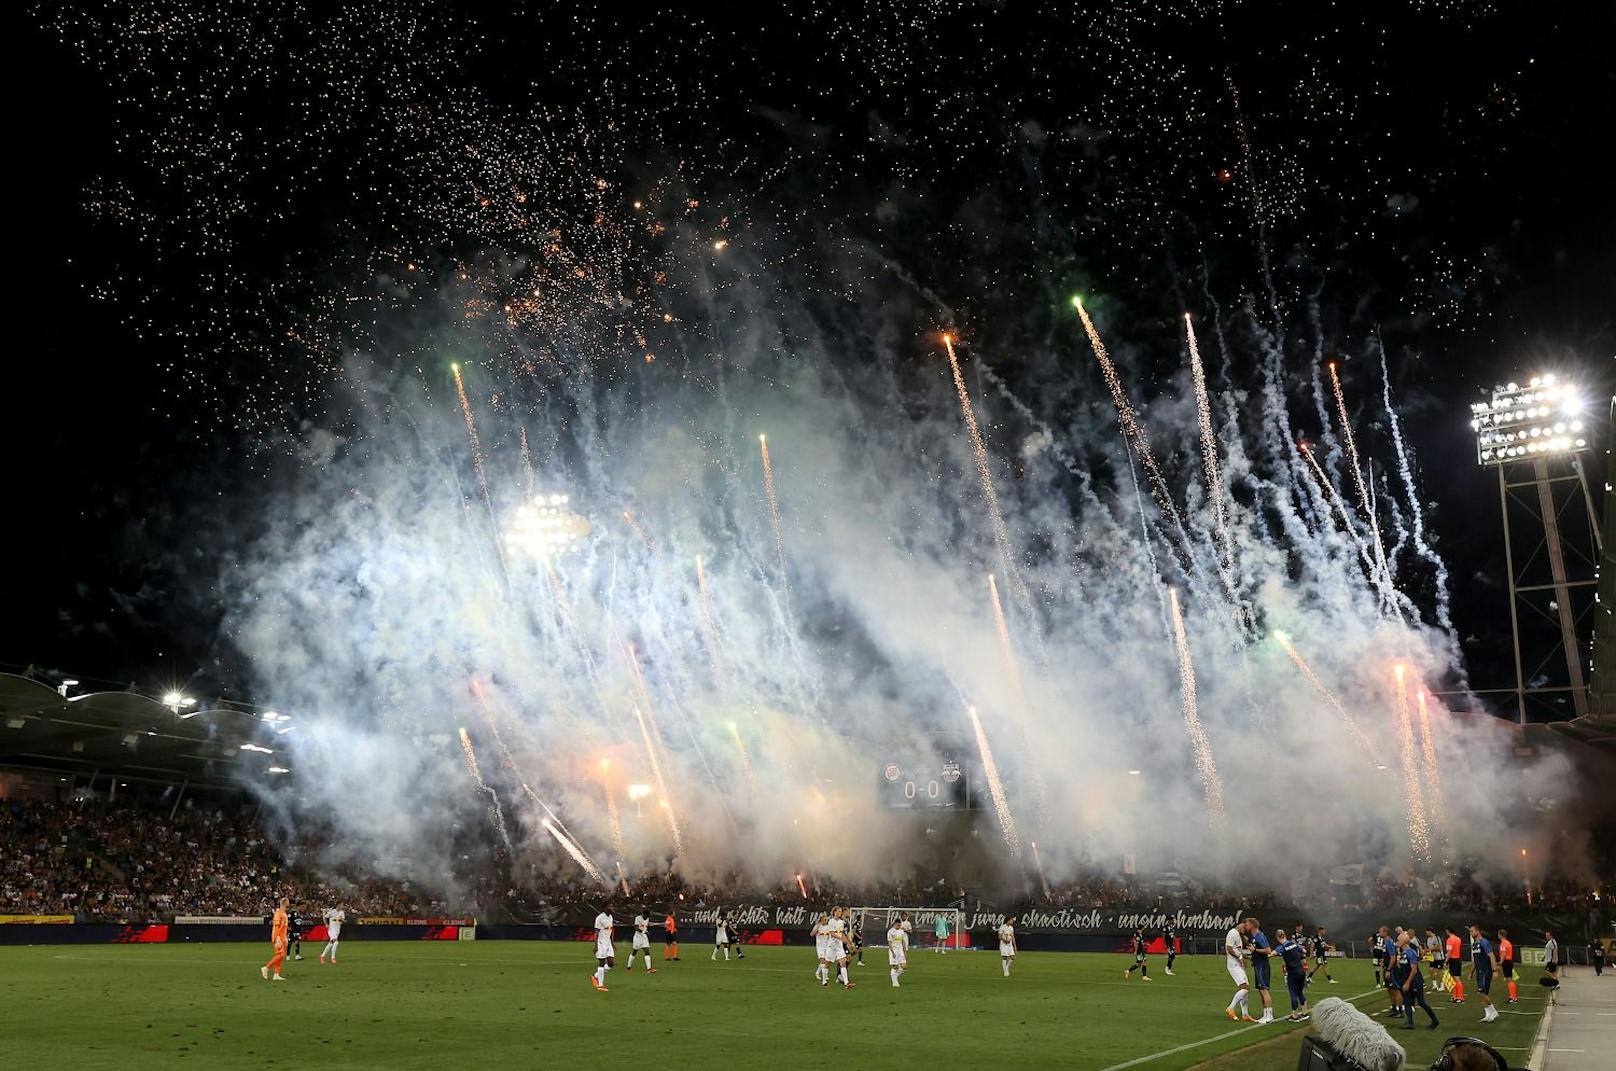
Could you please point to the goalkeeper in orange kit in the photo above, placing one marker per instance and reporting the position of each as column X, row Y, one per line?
column 277, row 940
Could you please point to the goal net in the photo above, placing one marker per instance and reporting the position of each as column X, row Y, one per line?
column 923, row 923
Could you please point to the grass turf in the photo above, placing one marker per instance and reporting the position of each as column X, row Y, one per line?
column 429, row 1004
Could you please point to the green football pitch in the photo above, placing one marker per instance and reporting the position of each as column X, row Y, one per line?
column 529, row 1004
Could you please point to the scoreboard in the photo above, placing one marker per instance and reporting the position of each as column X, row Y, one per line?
column 936, row 782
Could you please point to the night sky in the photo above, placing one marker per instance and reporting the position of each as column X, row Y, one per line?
column 207, row 189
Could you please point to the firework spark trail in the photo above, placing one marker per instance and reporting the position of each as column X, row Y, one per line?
column 1357, row 474
column 505, row 752
column 577, row 853
column 476, row 443
column 1335, row 500
column 553, row 825
column 1351, row 723
column 1211, row 783
column 622, row 877
column 1209, row 448
column 1405, row 472
column 645, row 710
column 1039, row 859
column 1136, row 434
column 984, row 472
column 801, row 887
column 1433, row 772
column 701, row 753
column 774, row 518
column 746, row 760
column 494, row 809
column 634, row 526
column 527, row 460
column 571, row 621
column 662, row 783
column 612, row 816
column 1419, row 832
column 1144, row 535
column 1018, row 696
column 709, row 623
column 1001, row 803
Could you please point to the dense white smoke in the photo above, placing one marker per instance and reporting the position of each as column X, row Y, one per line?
column 385, row 603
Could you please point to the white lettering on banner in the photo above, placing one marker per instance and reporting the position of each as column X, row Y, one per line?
column 1092, row 920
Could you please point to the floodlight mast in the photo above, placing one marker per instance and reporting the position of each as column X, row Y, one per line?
column 1534, row 425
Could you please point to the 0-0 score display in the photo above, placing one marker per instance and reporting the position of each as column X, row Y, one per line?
column 924, row 785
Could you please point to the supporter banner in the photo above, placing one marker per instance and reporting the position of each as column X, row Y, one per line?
column 1044, row 919
column 218, row 920
column 388, row 920
column 35, row 920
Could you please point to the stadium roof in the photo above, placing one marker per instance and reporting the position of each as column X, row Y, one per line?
column 134, row 735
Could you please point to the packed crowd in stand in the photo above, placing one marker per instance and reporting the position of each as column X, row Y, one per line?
column 123, row 862
column 135, row 861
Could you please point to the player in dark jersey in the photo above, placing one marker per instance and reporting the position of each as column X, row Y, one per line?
column 1483, row 962
column 855, row 933
column 1321, row 954
column 1377, row 952
column 1170, row 939
column 1406, row 972
column 1140, row 948
column 294, row 935
column 1293, row 957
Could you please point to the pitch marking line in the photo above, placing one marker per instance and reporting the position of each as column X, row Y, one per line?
column 1136, row 1061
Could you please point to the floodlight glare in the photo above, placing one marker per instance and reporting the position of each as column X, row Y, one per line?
column 1528, row 423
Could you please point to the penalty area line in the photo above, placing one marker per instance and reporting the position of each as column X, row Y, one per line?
column 1175, row 1050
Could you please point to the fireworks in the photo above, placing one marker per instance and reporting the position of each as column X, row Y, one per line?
column 774, row 507
column 709, row 623
column 1211, row 783
column 1328, row 696
column 1433, row 772
column 494, row 810
column 662, row 783
column 1018, row 693
column 471, row 432
column 984, row 470
column 746, row 760
column 616, row 823
column 572, row 848
column 527, row 459
column 1381, row 567
column 1132, row 429
column 634, row 526
column 1419, row 831
column 1001, row 802
column 1039, row 859
column 1209, row 449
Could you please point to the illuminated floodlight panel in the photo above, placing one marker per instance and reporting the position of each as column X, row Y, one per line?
column 1541, row 419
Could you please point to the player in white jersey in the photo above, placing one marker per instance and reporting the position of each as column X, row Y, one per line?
column 334, row 918
column 721, row 936
column 1234, row 958
column 836, row 945
column 897, row 951
column 1007, row 943
column 605, row 953
column 642, row 942
column 822, row 949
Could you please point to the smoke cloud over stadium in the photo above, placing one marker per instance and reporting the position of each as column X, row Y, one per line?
column 612, row 614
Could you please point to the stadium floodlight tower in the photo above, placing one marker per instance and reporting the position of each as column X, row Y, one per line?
column 545, row 528
column 1535, row 436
